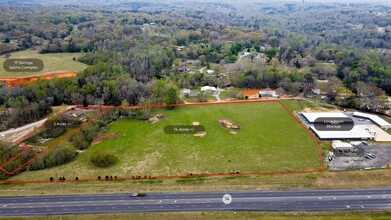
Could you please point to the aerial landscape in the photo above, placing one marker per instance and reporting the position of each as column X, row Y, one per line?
column 195, row 109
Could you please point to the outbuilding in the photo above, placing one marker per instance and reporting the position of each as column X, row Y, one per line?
column 374, row 118
column 209, row 89
column 339, row 144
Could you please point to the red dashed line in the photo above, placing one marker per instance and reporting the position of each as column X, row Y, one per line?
column 107, row 108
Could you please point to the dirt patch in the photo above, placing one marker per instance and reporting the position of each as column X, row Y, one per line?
column 252, row 93
column 233, row 132
column 228, row 124
column 196, row 123
column 33, row 79
column 156, row 118
column 200, row 134
column 43, row 140
column 12, row 135
column 104, row 138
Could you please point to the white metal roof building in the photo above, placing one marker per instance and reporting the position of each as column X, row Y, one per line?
column 339, row 144
column 268, row 93
column 312, row 116
column 208, row 89
column 357, row 133
column 374, row 118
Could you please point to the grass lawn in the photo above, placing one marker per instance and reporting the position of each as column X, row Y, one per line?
column 211, row 98
column 227, row 94
column 293, row 105
column 53, row 62
column 326, row 180
column 269, row 140
column 191, row 100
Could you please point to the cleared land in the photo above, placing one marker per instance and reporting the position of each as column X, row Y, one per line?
column 53, row 63
column 269, row 139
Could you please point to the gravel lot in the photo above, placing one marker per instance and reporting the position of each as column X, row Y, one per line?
column 381, row 151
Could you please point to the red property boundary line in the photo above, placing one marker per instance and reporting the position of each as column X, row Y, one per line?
column 107, row 108
column 27, row 147
column 53, row 145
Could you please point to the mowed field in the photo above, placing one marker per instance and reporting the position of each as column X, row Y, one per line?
column 269, row 140
column 53, row 62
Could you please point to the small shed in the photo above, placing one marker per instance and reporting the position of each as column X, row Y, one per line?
column 339, row 144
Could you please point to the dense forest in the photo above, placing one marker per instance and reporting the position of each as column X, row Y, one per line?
column 135, row 52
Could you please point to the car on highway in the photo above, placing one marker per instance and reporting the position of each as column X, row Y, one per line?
column 138, row 195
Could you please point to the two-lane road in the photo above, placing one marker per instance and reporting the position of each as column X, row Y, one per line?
column 309, row 200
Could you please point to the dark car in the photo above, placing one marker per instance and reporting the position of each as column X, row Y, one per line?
column 138, row 195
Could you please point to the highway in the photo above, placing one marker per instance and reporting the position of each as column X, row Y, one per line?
column 308, row 200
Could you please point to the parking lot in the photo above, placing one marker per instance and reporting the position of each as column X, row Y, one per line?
column 382, row 158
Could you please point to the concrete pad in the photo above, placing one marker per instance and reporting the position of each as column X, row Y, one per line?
column 381, row 135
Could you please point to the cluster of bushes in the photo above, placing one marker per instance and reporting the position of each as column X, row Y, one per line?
column 103, row 158
column 108, row 177
column 7, row 152
column 77, row 178
column 82, row 139
column 54, row 157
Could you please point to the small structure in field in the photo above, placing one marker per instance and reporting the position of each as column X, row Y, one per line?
column 200, row 134
column 209, row 89
column 189, row 94
column 226, row 123
column 196, row 123
column 156, row 118
column 268, row 93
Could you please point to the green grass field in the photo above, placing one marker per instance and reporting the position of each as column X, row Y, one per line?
column 53, row 62
column 269, row 140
